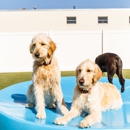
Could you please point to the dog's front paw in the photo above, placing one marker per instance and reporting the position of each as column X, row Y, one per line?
column 60, row 121
column 84, row 124
column 41, row 115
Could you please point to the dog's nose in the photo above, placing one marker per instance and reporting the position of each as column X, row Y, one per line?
column 37, row 54
column 81, row 81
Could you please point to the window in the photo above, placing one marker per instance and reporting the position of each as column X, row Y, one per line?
column 102, row 20
column 71, row 20
column 129, row 19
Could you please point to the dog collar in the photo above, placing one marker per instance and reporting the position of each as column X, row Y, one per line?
column 84, row 91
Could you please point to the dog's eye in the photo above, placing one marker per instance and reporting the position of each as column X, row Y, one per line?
column 79, row 70
column 88, row 70
column 43, row 44
column 33, row 46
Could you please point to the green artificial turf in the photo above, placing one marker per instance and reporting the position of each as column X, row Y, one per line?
column 7, row 79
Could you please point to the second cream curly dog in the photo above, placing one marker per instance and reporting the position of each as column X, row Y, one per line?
column 91, row 96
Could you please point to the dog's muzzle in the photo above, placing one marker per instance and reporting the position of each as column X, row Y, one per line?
column 81, row 81
column 37, row 54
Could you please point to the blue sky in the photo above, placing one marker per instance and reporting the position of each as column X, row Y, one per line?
column 62, row 4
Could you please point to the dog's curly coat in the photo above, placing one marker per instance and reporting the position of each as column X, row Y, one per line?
column 46, row 89
column 91, row 96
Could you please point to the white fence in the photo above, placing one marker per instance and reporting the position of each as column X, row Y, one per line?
column 72, row 48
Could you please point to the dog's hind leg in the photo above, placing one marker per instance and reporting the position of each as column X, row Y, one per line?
column 110, row 78
column 121, row 79
column 122, row 82
column 120, row 75
column 110, row 72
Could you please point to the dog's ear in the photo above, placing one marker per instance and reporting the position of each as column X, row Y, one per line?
column 98, row 74
column 76, row 72
column 51, row 49
column 31, row 48
column 52, row 46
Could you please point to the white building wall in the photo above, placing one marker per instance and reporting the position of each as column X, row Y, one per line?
column 45, row 20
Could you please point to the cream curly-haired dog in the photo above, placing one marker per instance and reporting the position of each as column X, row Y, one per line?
column 46, row 89
column 91, row 96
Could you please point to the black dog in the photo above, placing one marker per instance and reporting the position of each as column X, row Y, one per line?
column 112, row 64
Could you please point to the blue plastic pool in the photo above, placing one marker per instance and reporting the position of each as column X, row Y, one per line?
column 14, row 115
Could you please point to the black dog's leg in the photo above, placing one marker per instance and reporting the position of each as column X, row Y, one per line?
column 111, row 70
column 121, row 79
column 110, row 78
column 122, row 82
